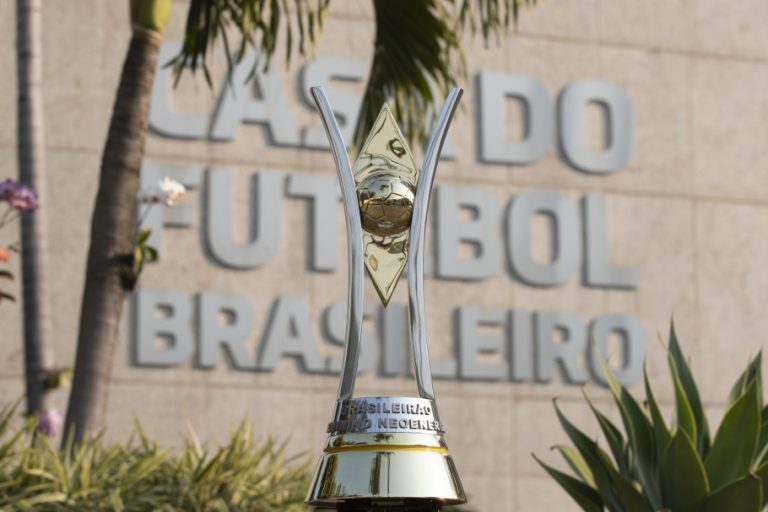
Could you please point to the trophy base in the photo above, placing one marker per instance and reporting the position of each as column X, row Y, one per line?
column 387, row 470
column 385, row 453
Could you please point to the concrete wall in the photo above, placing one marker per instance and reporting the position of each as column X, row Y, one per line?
column 689, row 211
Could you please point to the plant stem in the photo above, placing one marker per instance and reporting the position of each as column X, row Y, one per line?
column 4, row 219
column 144, row 216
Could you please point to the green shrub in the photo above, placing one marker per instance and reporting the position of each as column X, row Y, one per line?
column 242, row 475
column 676, row 467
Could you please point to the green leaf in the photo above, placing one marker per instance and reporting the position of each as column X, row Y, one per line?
column 641, row 437
column 682, row 475
column 684, row 414
column 39, row 499
column 734, row 446
column 679, row 366
column 613, row 436
column 660, row 431
column 762, row 473
column 631, row 499
column 576, row 463
column 752, row 372
column 144, row 235
column 152, row 253
column 591, row 453
column 762, row 445
column 115, row 501
column 742, row 495
column 586, row 497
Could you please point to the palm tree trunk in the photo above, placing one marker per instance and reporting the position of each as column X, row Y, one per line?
column 38, row 352
column 113, row 235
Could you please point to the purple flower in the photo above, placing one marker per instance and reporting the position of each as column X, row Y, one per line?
column 18, row 195
column 49, row 422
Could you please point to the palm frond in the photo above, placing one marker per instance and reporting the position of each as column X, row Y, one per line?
column 490, row 16
column 418, row 56
column 259, row 24
column 414, row 62
column 417, row 50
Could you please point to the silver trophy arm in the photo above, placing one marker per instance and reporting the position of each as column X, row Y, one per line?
column 354, row 245
column 416, row 250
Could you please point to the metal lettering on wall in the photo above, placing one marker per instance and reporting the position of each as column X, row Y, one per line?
column 172, row 328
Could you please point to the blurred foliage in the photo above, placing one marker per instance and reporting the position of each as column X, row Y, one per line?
column 417, row 54
column 142, row 253
column 138, row 476
column 259, row 24
column 241, row 475
column 675, row 466
column 418, row 57
column 7, row 276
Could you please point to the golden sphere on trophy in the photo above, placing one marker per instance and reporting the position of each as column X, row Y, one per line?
column 386, row 203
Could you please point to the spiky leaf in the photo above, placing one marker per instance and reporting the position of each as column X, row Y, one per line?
column 684, row 414
column 734, row 446
column 762, row 443
column 576, row 462
column 640, row 433
column 590, row 451
column 762, row 473
column 613, row 436
column 586, row 497
column 742, row 495
column 660, row 431
column 753, row 372
column 682, row 475
column 631, row 499
column 679, row 367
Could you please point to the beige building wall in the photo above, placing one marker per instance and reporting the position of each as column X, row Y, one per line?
column 690, row 212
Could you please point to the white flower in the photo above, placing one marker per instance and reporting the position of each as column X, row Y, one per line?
column 173, row 190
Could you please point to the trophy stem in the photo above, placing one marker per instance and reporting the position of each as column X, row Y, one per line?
column 416, row 251
column 354, row 245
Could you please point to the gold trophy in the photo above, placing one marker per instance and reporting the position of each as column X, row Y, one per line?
column 386, row 452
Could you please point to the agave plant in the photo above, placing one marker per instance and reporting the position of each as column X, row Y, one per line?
column 655, row 465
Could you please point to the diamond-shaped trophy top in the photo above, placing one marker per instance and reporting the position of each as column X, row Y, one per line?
column 385, row 178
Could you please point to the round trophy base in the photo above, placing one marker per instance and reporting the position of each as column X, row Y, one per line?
column 385, row 468
column 395, row 456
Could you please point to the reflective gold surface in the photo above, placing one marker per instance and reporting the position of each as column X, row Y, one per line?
column 385, row 178
column 389, row 466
